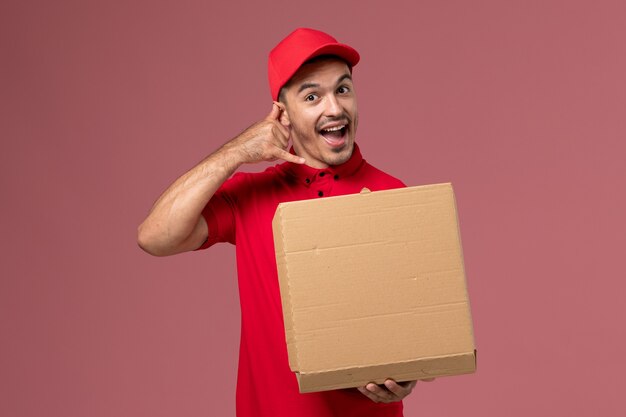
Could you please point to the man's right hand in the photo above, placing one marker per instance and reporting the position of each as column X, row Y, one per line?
column 266, row 140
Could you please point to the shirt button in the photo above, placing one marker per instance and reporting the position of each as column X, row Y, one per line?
column 320, row 193
column 322, row 174
column 336, row 177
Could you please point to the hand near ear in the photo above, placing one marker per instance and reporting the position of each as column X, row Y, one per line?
column 266, row 140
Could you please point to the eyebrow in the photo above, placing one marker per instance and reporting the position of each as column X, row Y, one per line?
column 314, row 85
column 344, row 77
column 307, row 85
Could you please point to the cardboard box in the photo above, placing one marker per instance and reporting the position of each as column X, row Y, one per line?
column 373, row 287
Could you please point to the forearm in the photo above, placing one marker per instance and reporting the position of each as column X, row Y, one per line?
column 174, row 223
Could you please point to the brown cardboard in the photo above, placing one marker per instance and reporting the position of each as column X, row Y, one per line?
column 373, row 287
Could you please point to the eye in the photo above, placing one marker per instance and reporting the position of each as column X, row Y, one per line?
column 309, row 97
column 343, row 90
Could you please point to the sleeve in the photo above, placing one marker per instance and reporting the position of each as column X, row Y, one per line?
column 220, row 212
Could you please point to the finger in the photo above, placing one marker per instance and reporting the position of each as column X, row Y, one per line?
column 281, row 133
column 368, row 394
column 383, row 394
column 400, row 390
column 275, row 113
column 408, row 385
column 289, row 157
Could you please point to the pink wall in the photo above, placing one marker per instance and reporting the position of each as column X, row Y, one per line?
column 520, row 104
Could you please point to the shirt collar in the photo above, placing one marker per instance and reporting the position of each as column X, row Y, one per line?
column 307, row 174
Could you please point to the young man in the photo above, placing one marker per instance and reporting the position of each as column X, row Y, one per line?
column 315, row 108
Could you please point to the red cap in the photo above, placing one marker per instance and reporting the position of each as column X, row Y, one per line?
column 298, row 47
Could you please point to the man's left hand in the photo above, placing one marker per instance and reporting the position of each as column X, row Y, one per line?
column 391, row 391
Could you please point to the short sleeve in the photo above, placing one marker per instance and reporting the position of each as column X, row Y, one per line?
column 220, row 213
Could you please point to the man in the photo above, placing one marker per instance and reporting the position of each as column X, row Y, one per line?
column 314, row 107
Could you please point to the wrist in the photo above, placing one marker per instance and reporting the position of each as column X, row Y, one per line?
column 231, row 156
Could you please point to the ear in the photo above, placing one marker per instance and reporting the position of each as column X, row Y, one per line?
column 284, row 114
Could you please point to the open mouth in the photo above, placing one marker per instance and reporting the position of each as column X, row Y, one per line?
column 335, row 136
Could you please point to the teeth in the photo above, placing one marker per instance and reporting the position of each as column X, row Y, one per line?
column 334, row 129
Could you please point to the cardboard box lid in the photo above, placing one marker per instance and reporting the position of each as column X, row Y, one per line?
column 373, row 279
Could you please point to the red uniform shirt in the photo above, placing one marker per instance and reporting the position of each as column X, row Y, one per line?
column 241, row 213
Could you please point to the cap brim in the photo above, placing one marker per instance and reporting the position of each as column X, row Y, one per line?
column 349, row 54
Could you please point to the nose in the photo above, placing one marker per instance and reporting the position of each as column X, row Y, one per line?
column 333, row 108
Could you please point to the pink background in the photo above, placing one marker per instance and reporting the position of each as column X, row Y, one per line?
column 521, row 104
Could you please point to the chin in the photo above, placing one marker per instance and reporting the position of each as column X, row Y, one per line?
column 339, row 156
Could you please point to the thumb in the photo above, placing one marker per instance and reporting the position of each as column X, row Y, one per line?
column 275, row 113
